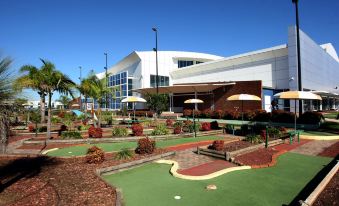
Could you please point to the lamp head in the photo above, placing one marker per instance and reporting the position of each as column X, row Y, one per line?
column 154, row 49
column 154, row 29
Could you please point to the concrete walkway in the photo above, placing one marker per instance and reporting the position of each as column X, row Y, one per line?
column 314, row 147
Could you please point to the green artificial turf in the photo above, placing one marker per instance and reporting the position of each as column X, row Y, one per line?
column 332, row 115
column 316, row 133
column 152, row 184
column 109, row 147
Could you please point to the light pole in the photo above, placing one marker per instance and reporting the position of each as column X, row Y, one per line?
column 106, row 81
column 298, row 53
column 156, row 57
column 80, row 92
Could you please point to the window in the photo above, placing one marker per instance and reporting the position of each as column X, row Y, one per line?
column 184, row 63
column 198, row 62
column 163, row 81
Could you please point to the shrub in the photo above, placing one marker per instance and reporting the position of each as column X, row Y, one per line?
column 177, row 130
column 119, row 132
column 62, row 128
column 311, row 118
column 169, row 122
column 61, row 114
column 187, row 113
column 217, row 145
column 31, row 128
column 282, row 116
column 71, row 135
column 197, row 113
column 231, row 115
column 214, row 125
column 95, row 155
column 206, row 126
column 262, row 116
column 273, row 132
column 160, row 130
column 137, row 129
column 124, row 153
column 83, row 127
column 55, row 120
column 249, row 115
column 178, row 124
column 94, row 132
column 145, row 146
column 207, row 113
column 253, row 138
column 217, row 114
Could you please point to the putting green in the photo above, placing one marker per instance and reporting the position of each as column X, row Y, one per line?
column 110, row 147
column 153, row 185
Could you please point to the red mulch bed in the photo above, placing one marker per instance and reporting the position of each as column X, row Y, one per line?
column 55, row 181
column 330, row 195
column 331, row 151
column 207, row 168
column 233, row 146
column 258, row 157
column 17, row 138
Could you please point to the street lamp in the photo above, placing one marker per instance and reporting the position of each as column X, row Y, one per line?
column 106, row 82
column 80, row 84
column 156, row 57
column 298, row 53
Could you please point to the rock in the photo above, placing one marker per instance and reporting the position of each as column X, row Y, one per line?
column 211, row 187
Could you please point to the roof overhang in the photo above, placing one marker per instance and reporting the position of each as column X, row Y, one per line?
column 184, row 88
column 325, row 93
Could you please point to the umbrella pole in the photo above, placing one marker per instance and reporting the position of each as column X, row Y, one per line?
column 133, row 111
column 295, row 118
column 242, row 111
column 195, row 133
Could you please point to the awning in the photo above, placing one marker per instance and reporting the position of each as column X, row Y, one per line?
column 183, row 88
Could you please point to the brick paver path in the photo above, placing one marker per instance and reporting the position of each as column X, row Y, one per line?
column 314, row 147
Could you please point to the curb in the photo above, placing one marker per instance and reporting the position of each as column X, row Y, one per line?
column 314, row 195
column 175, row 167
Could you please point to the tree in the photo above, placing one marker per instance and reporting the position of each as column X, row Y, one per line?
column 63, row 99
column 157, row 102
column 33, row 79
column 54, row 81
column 6, row 95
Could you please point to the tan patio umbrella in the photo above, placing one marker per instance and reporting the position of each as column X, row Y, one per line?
column 133, row 100
column 297, row 95
column 242, row 98
column 193, row 101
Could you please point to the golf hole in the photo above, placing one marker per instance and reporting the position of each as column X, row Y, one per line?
column 70, row 152
column 177, row 197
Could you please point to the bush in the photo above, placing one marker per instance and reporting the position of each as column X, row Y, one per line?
column 161, row 129
column 31, row 128
column 233, row 115
column 169, row 122
column 262, row 116
column 214, row 125
column 55, row 120
column 62, row 128
column 83, row 127
column 137, row 129
column 177, row 130
column 187, row 113
column 282, row 116
column 217, row 145
column 253, row 138
column 206, row 126
column 217, row 114
column 119, row 132
column 94, row 132
column 71, row 135
column 124, row 153
column 249, row 115
column 273, row 132
column 178, row 124
column 310, row 118
column 145, row 146
column 207, row 113
column 95, row 155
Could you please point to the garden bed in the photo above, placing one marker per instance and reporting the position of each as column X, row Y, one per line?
column 257, row 158
column 54, row 181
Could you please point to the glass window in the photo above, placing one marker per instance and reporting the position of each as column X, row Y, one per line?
column 184, row 63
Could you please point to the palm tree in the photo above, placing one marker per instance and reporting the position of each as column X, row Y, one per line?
column 32, row 79
column 85, row 89
column 6, row 94
column 54, row 81
column 64, row 100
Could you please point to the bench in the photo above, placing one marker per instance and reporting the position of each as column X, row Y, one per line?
column 293, row 133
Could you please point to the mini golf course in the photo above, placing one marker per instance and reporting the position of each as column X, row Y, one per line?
column 152, row 184
column 110, row 147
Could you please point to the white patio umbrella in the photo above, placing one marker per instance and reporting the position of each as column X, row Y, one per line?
column 297, row 95
column 242, row 98
column 133, row 100
column 193, row 101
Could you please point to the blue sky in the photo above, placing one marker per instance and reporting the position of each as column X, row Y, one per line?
column 76, row 33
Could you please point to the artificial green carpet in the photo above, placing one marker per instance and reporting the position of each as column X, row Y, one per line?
column 153, row 185
column 109, row 147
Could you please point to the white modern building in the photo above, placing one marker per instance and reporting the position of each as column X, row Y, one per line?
column 276, row 67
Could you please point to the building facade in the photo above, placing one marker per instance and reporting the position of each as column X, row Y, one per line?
column 275, row 67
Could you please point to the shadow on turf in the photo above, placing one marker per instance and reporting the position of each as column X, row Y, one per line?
column 20, row 168
column 310, row 187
